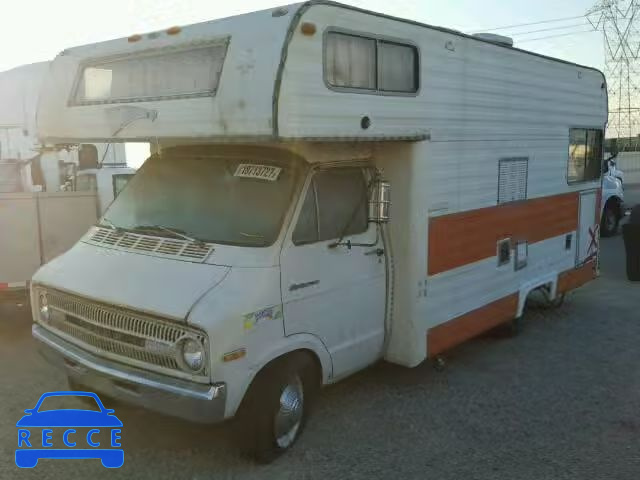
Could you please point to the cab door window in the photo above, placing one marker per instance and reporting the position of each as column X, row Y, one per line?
column 119, row 182
column 335, row 205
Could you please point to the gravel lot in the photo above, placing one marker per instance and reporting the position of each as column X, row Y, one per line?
column 560, row 401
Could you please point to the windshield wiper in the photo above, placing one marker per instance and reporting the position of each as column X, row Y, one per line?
column 172, row 231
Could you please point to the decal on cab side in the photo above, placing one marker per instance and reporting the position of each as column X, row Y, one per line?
column 254, row 319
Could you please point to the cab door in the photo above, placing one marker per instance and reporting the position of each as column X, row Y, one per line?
column 336, row 293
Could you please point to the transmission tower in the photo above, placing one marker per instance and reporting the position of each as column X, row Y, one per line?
column 619, row 21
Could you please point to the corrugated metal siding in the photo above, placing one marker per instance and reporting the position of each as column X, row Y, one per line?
column 479, row 91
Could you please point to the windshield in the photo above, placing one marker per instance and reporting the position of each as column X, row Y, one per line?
column 234, row 196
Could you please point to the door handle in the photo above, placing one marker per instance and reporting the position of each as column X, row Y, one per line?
column 299, row 286
column 378, row 251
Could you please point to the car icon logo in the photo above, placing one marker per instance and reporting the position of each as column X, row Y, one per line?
column 65, row 433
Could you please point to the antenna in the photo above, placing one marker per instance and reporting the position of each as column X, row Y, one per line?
column 619, row 22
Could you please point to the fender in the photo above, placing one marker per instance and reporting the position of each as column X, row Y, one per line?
column 301, row 341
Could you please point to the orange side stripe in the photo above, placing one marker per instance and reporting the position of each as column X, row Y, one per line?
column 452, row 333
column 576, row 278
column 462, row 238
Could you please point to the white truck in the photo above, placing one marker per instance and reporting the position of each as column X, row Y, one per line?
column 38, row 219
column 256, row 257
column 613, row 207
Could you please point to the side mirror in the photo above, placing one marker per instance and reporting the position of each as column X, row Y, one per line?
column 380, row 202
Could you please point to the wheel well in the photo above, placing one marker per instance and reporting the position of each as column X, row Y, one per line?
column 301, row 356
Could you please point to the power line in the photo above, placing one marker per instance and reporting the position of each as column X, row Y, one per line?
column 529, row 24
column 555, row 36
column 548, row 29
column 619, row 22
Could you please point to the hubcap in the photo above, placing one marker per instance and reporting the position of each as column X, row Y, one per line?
column 289, row 416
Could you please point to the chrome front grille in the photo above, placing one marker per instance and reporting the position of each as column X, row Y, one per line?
column 120, row 334
column 157, row 246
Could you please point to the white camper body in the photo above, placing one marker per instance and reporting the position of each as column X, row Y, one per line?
column 290, row 119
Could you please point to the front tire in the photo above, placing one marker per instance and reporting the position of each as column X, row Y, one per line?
column 276, row 408
column 610, row 220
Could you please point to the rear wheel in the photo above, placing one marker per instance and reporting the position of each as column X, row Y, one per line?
column 610, row 220
column 277, row 407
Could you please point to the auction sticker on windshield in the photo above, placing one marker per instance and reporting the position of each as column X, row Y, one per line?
column 69, row 433
column 261, row 172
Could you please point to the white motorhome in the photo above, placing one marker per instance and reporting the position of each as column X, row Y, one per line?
column 253, row 257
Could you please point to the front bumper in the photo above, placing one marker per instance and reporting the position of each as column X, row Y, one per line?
column 174, row 397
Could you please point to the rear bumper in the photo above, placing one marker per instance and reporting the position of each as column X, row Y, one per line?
column 177, row 398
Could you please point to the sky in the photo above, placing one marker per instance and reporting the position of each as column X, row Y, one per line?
column 37, row 30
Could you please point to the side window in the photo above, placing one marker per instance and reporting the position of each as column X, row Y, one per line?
column 397, row 67
column 375, row 65
column 307, row 228
column 585, row 155
column 341, row 209
column 119, row 182
column 351, row 61
column 86, row 183
column 342, row 202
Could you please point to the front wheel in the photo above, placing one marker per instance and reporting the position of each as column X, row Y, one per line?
column 610, row 220
column 276, row 409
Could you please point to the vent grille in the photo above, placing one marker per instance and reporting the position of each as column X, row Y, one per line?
column 162, row 247
column 512, row 179
column 120, row 335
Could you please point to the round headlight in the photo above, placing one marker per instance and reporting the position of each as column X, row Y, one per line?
column 44, row 308
column 192, row 352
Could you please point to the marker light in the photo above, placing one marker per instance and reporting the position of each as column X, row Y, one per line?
column 308, row 29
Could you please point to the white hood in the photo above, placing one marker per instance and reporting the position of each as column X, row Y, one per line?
column 131, row 280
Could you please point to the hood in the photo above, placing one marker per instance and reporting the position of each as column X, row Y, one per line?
column 167, row 288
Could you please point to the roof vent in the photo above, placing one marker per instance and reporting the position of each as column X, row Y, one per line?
column 493, row 38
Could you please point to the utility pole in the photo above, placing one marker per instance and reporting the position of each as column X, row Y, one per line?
column 619, row 21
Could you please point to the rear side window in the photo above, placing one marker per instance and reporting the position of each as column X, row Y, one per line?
column 335, row 205
column 585, row 155
column 366, row 63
